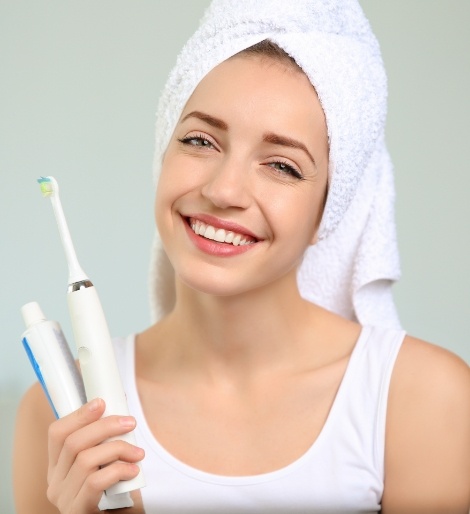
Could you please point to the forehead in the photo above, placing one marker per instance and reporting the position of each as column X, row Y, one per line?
column 258, row 87
column 245, row 69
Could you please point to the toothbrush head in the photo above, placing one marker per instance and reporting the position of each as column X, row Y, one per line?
column 48, row 186
column 50, row 189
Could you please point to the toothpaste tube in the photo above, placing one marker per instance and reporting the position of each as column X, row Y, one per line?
column 52, row 361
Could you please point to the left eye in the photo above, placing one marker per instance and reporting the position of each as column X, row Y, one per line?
column 283, row 167
column 196, row 141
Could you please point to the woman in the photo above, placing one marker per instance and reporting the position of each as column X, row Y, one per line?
column 249, row 394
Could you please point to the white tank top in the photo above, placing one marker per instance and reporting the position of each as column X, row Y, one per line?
column 342, row 472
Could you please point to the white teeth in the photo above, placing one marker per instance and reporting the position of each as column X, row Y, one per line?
column 210, row 232
column 220, row 235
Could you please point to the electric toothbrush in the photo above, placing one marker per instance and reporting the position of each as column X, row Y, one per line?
column 55, row 368
column 92, row 338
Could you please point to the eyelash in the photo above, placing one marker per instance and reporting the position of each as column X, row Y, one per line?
column 187, row 141
column 288, row 169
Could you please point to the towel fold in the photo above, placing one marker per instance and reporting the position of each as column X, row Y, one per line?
column 351, row 269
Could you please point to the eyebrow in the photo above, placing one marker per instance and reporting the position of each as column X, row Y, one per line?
column 210, row 120
column 268, row 137
column 276, row 139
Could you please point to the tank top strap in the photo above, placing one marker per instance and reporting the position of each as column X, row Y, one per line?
column 361, row 402
column 125, row 359
column 119, row 347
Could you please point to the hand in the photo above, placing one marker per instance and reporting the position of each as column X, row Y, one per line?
column 138, row 507
column 80, row 467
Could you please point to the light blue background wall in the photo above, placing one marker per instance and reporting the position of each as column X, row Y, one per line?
column 78, row 90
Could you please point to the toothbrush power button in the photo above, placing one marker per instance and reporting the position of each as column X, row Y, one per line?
column 83, row 355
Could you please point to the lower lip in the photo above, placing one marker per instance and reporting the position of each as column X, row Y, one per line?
column 213, row 247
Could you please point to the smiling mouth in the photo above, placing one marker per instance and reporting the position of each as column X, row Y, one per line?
column 219, row 235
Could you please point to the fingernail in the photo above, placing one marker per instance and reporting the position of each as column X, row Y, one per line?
column 134, row 468
column 139, row 451
column 127, row 421
column 94, row 405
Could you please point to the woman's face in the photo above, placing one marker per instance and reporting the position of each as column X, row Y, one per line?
column 243, row 180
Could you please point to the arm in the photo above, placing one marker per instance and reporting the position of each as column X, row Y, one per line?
column 58, row 463
column 30, row 454
column 427, row 455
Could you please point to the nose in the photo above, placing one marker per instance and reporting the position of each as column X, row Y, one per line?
column 227, row 184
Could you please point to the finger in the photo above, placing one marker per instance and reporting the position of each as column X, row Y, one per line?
column 62, row 428
column 86, row 499
column 90, row 494
column 87, row 463
column 90, row 460
column 88, row 437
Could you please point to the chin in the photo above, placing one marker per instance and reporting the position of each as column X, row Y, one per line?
column 212, row 284
column 224, row 283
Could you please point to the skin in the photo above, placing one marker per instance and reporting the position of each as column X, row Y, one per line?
column 258, row 353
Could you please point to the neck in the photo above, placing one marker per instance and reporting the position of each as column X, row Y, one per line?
column 257, row 330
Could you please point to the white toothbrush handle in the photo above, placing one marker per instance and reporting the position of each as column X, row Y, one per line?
column 98, row 365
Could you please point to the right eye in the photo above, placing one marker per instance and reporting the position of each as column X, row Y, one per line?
column 199, row 140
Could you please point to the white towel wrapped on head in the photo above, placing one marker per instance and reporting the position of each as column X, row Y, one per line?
column 351, row 269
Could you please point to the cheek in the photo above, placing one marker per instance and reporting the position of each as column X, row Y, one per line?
column 175, row 182
column 158, row 205
column 320, row 208
column 164, row 198
column 298, row 220
column 168, row 183
column 317, row 206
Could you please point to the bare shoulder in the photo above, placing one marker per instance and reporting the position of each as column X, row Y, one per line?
column 429, row 372
column 429, row 379
column 428, row 432
column 34, row 416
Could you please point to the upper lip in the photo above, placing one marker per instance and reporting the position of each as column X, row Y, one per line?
column 220, row 223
